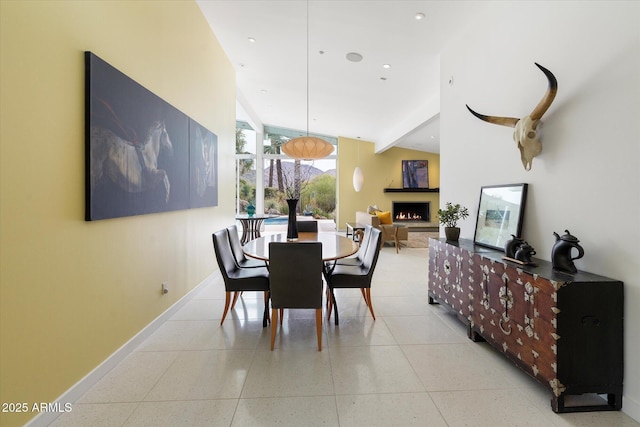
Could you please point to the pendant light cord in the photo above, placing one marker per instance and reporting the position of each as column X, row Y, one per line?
column 307, row 67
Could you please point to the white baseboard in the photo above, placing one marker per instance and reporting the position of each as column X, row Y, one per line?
column 631, row 408
column 85, row 384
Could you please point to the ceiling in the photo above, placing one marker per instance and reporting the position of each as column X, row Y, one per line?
column 395, row 106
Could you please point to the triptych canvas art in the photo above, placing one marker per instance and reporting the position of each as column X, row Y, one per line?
column 143, row 155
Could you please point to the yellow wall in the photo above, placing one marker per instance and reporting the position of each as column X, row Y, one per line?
column 73, row 292
column 380, row 171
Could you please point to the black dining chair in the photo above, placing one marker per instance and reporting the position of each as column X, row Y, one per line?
column 355, row 276
column 295, row 277
column 307, row 226
column 238, row 279
column 241, row 260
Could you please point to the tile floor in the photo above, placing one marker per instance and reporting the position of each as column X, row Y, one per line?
column 413, row 366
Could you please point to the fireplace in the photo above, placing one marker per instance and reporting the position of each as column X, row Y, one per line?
column 411, row 211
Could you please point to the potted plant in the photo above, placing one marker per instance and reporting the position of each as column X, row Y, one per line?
column 449, row 217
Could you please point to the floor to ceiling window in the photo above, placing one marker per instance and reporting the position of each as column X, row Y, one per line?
column 246, row 161
column 312, row 182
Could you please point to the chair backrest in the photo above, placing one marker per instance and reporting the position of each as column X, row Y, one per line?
column 236, row 246
column 364, row 243
column 295, row 274
column 224, row 253
column 373, row 250
column 307, row 226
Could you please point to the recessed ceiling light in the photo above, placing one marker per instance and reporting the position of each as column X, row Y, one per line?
column 386, row 66
column 354, row 57
column 419, row 16
column 383, row 78
column 263, row 91
column 252, row 40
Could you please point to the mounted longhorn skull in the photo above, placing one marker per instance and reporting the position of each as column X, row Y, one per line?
column 525, row 134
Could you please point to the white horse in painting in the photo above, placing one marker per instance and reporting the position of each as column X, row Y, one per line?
column 132, row 167
column 204, row 162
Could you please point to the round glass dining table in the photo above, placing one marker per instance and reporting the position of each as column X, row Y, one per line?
column 334, row 246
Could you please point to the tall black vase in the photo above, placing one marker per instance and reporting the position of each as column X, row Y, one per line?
column 292, row 225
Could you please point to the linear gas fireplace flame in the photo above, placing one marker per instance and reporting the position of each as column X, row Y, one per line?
column 411, row 211
column 408, row 216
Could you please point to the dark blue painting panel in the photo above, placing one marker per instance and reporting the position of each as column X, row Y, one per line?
column 415, row 174
column 204, row 166
column 137, row 147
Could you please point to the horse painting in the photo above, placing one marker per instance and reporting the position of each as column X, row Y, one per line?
column 143, row 156
column 204, row 162
column 132, row 167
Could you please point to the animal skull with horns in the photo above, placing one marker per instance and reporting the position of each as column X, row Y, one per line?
column 525, row 134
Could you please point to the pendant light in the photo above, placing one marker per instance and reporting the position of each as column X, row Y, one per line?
column 358, row 176
column 307, row 147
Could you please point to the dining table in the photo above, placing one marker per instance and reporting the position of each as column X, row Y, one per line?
column 334, row 246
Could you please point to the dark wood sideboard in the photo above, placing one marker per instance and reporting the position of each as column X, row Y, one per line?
column 564, row 330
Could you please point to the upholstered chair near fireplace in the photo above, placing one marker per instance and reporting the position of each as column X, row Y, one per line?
column 383, row 221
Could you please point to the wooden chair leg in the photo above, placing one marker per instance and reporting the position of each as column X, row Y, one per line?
column 274, row 326
column 281, row 315
column 329, row 303
column 364, row 295
column 368, row 299
column 319, row 327
column 227, row 301
column 235, row 299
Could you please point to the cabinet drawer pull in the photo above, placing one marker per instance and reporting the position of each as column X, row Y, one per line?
column 447, row 267
column 505, row 331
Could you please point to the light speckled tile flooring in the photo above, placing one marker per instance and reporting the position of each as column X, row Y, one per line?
column 413, row 366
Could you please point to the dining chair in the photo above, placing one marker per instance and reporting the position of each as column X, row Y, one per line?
column 362, row 251
column 355, row 276
column 307, row 226
column 295, row 278
column 238, row 279
column 240, row 258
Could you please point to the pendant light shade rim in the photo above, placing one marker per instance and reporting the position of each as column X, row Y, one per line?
column 307, row 148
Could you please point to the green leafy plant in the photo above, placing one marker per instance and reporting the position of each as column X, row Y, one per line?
column 450, row 216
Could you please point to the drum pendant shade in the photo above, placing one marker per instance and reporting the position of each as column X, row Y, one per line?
column 307, row 148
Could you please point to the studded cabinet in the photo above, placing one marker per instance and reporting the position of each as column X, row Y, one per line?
column 565, row 330
column 446, row 272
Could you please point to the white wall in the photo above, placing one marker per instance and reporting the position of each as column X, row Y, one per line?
column 587, row 178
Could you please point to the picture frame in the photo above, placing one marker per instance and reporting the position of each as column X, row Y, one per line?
column 500, row 214
column 415, row 174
